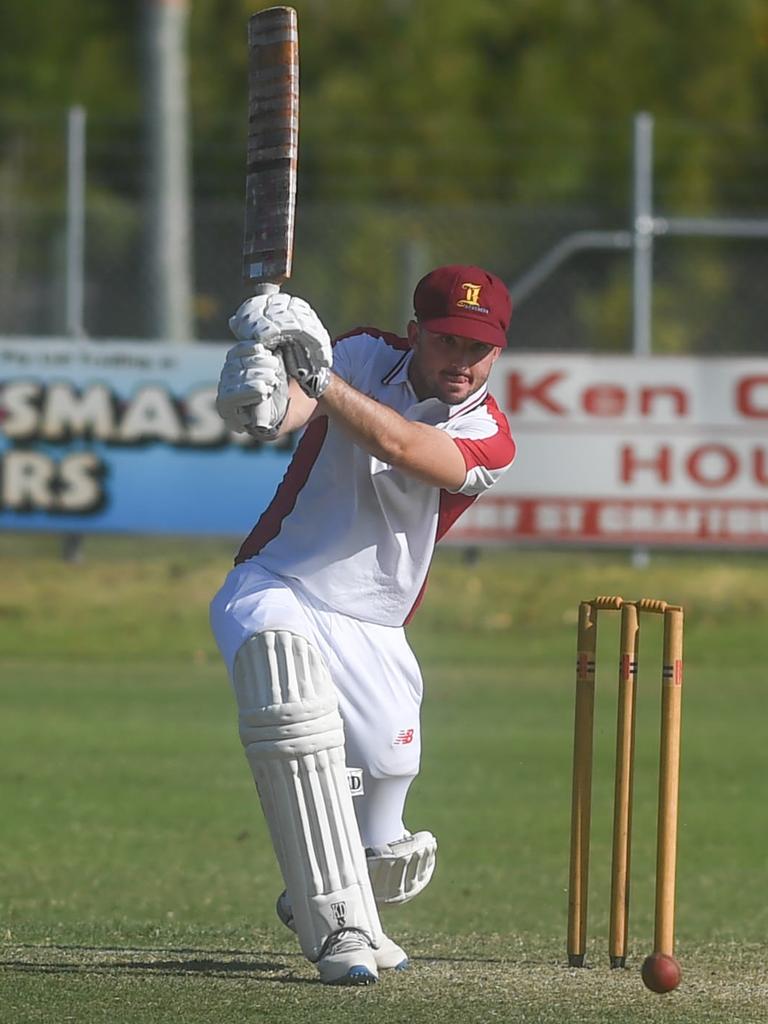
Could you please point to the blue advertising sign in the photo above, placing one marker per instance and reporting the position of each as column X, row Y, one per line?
column 117, row 436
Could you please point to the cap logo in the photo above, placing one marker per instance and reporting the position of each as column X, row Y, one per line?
column 471, row 298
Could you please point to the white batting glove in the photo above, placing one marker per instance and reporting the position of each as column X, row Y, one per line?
column 250, row 323
column 252, row 395
column 262, row 421
column 289, row 323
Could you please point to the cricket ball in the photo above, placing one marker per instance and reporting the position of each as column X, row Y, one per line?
column 661, row 973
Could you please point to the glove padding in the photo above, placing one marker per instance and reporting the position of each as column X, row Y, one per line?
column 252, row 395
column 290, row 324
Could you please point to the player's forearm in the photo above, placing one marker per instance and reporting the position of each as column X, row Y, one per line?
column 375, row 427
column 416, row 448
column 300, row 409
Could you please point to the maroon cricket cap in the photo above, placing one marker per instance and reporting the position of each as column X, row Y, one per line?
column 464, row 300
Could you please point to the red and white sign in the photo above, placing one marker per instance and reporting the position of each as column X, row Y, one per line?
column 618, row 450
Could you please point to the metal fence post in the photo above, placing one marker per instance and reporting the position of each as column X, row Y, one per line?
column 72, row 543
column 75, row 259
column 642, row 236
column 642, row 261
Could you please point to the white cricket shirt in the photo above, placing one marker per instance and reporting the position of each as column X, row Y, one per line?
column 354, row 532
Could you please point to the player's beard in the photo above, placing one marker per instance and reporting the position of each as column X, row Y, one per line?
column 436, row 384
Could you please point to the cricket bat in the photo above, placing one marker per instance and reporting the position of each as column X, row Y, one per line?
column 272, row 151
column 273, row 142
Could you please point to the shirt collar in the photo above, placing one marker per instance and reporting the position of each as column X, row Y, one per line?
column 399, row 376
column 399, row 372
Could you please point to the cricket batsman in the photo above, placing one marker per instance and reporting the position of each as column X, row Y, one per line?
column 400, row 436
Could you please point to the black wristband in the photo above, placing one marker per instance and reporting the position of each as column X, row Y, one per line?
column 314, row 384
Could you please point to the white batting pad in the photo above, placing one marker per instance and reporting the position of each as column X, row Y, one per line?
column 400, row 870
column 293, row 737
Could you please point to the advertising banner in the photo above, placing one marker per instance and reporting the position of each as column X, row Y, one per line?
column 124, row 436
column 625, row 451
column 612, row 450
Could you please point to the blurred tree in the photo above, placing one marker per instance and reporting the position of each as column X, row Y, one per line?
column 440, row 99
column 417, row 103
column 69, row 51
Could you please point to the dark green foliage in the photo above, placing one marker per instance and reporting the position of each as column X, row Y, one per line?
column 436, row 131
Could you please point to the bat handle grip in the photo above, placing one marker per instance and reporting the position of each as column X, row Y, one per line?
column 262, row 414
column 262, row 409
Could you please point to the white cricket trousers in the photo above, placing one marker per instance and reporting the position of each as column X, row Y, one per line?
column 374, row 670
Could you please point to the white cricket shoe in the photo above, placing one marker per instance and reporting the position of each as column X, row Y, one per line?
column 389, row 956
column 348, row 959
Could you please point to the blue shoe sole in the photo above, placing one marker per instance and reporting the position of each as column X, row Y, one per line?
column 359, row 975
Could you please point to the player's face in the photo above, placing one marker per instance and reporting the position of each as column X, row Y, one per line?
column 447, row 367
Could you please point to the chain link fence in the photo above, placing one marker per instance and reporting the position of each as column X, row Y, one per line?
column 357, row 259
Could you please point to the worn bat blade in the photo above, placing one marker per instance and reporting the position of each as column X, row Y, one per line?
column 273, row 138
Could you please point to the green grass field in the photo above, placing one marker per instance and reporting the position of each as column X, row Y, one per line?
column 137, row 881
